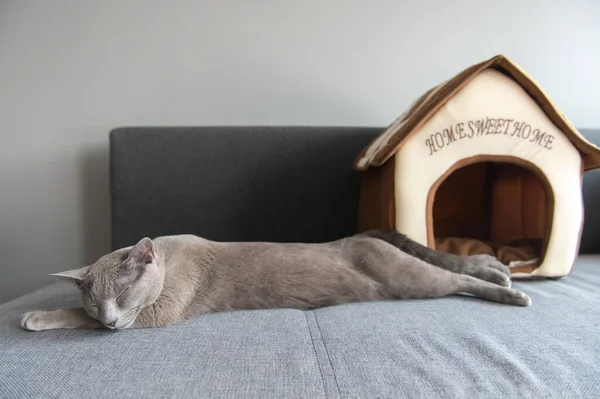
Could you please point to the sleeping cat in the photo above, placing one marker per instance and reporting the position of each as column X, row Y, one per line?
column 169, row 279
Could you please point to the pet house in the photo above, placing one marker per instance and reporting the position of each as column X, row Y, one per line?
column 482, row 163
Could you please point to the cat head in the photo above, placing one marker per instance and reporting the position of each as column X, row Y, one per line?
column 119, row 285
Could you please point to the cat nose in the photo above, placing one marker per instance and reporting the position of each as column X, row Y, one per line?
column 112, row 323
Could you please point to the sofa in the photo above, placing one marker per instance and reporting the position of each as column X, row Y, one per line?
column 296, row 184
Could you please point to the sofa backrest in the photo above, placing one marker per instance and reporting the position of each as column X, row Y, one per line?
column 285, row 184
column 590, row 239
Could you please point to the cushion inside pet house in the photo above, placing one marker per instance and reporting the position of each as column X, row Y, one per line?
column 482, row 163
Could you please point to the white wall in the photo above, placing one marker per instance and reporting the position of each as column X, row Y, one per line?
column 72, row 70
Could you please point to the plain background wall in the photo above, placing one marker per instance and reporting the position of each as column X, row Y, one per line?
column 72, row 70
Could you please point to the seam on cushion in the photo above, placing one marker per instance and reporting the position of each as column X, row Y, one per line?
column 327, row 353
column 330, row 382
column 312, row 338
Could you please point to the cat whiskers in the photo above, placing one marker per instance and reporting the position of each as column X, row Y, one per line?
column 130, row 316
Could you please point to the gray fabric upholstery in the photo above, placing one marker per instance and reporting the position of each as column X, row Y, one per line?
column 253, row 183
column 590, row 237
column 451, row 347
column 296, row 184
column 236, row 183
column 457, row 347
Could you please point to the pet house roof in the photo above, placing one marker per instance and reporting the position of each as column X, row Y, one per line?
column 387, row 143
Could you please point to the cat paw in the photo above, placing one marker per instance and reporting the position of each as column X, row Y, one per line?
column 490, row 261
column 520, row 298
column 488, row 268
column 37, row 320
column 495, row 277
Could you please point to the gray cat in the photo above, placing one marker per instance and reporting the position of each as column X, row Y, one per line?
column 163, row 281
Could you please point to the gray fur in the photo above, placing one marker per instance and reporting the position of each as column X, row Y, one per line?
column 169, row 279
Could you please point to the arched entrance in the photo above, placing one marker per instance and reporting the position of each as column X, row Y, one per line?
column 498, row 205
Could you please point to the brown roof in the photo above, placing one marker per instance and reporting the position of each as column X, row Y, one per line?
column 387, row 143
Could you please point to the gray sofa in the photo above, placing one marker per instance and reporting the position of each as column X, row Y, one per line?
column 296, row 184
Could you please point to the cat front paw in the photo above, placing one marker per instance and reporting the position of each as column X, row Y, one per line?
column 515, row 297
column 38, row 320
column 489, row 261
column 488, row 268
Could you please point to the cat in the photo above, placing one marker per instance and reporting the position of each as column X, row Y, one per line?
column 156, row 283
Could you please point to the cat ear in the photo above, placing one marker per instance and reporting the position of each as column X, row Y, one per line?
column 73, row 275
column 142, row 253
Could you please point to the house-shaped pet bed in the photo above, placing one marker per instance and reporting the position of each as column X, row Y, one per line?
column 482, row 163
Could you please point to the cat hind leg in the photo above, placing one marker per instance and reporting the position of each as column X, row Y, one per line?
column 484, row 267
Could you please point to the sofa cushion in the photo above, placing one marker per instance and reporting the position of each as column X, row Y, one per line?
column 266, row 353
column 460, row 347
column 450, row 347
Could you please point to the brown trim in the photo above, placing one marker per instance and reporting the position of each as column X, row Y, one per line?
column 377, row 208
column 407, row 115
column 415, row 119
column 529, row 269
column 503, row 159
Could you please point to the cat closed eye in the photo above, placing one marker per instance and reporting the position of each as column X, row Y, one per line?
column 123, row 293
